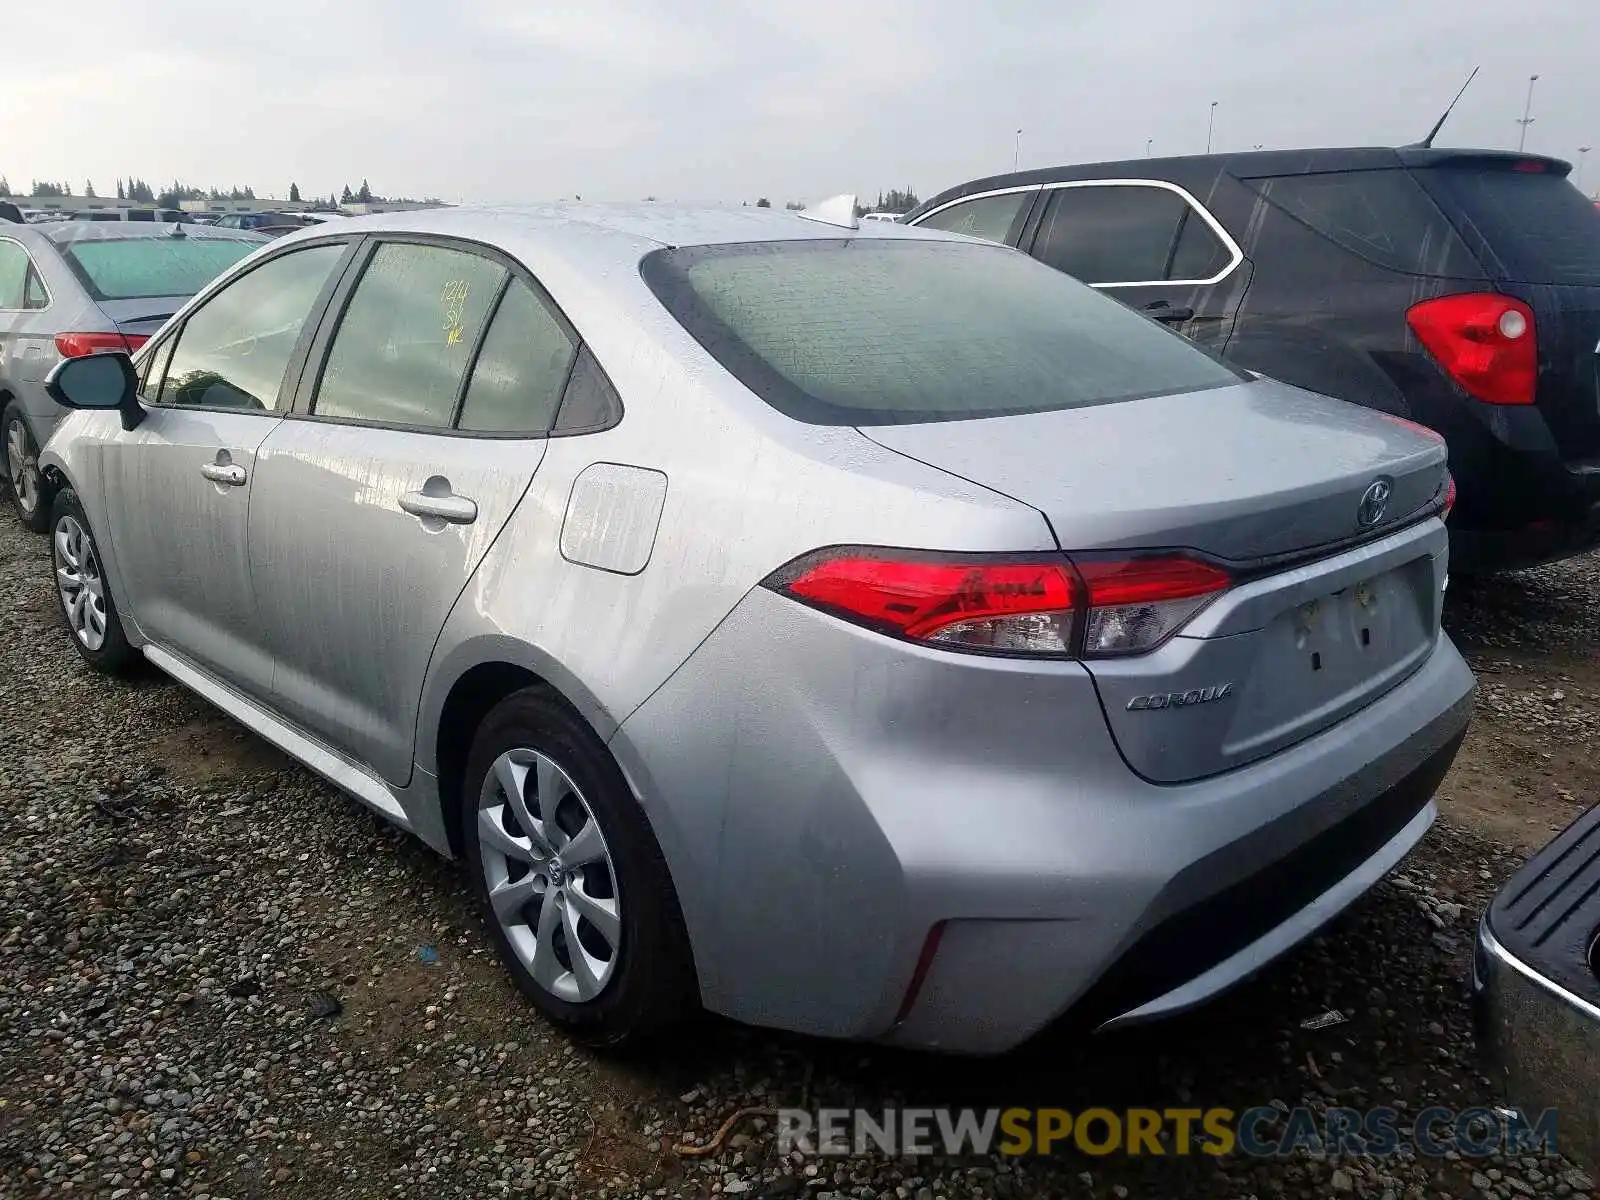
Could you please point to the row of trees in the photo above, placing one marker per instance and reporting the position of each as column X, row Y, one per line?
column 139, row 191
column 894, row 200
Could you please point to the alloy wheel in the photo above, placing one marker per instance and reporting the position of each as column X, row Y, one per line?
column 23, row 468
column 80, row 582
column 551, row 883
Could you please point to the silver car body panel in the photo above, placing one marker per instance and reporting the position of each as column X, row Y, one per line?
column 802, row 774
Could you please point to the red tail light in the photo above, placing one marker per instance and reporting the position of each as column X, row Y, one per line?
column 77, row 345
column 1449, row 497
column 1042, row 605
column 1485, row 341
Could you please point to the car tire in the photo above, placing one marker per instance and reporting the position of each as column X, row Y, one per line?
column 30, row 490
column 83, row 592
column 561, row 853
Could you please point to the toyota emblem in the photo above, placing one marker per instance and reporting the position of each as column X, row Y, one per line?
column 1374, row 502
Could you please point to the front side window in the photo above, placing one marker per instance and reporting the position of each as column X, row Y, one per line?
column 867, row 331
column 233, row 350
column 404, row 343
column 988, row 217
column 521, row 370
column 136, row 268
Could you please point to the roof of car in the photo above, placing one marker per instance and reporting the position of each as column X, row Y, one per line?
column 1244, row 164
column 602, row 235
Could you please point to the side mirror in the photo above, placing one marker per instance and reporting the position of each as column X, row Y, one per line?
column 101, row 381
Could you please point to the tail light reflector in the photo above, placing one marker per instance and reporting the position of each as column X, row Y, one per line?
column 1135, row 604
column 1033, row 605
column 78, row 345
column 1485, row 342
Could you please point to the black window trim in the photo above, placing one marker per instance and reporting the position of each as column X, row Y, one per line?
column 1235, row 254
column 332, row 316
column 1030, row 238
column 175, row 329
column 31, row 269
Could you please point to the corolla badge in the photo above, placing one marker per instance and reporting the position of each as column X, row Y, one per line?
column 1374, row 502
column 1205, row 695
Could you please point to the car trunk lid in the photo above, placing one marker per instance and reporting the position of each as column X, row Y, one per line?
column 141, row 317
column 1247, row 473
column 1329, row 608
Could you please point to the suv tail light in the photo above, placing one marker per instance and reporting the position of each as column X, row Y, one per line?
column 1484, row 341
column 78, row 345
column 1045, row 605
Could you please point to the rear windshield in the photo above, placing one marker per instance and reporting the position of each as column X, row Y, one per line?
column 1539, row 226
column 882, row 332
column 133, row 268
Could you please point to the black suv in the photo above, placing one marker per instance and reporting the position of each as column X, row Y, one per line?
column 1456, row 288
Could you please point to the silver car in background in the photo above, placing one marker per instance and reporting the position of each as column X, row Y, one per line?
column 77, row 288
column 864, row 631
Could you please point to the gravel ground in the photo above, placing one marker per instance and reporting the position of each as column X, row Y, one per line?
column 220, row 978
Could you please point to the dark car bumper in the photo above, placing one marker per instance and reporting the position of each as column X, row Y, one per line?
column 1536, row 991
column 1543, row 540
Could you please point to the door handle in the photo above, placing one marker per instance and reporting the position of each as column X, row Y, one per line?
column 457, row 510
column 231, row 474
column 1166, row 314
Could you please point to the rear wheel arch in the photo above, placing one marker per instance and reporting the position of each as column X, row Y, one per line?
column 471, row 696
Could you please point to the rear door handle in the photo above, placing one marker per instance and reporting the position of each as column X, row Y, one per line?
column 231, row 474
column 1168, row 315
column 457, row 510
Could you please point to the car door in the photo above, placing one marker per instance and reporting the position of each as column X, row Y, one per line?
column 1149, row 244
column 993, row 216
column 180, row 482
column 419, row 428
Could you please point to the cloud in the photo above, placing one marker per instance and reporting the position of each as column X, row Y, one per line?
column 497, row 100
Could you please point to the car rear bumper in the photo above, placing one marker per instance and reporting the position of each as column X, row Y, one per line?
column 827, row 798
column 1537, row 997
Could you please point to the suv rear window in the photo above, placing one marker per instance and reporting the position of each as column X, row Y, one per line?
column 133, row 268
column 886, row 332
column 1539, row 226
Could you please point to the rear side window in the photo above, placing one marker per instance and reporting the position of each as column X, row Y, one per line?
column 141, row 214
column 1537, row 225
column 1127, row 233
column 521, row 370
column 402, row 348
column 1382, row 216
column 137, row 267
column 988, row 217
column 879, row 332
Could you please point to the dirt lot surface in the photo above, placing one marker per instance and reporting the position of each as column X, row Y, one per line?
column 219, row 978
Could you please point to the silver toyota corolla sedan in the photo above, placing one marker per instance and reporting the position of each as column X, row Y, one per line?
column 864, row 631
column 74, row 288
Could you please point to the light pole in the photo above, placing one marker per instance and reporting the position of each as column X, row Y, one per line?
column 1527, row 114
column 1016, row 156
column 1583, row 153
column 1211, row 127
column 1148, row 142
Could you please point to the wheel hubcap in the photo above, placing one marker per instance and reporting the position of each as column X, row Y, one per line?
column 551, row 883
column 23, row 467
column 78, row 579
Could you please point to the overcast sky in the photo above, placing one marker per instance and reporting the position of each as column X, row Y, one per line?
column 711, row 100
